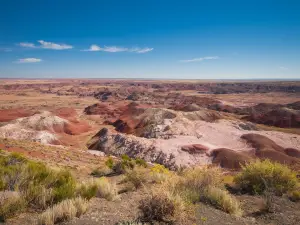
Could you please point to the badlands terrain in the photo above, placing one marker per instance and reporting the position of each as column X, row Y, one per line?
column 82, row 124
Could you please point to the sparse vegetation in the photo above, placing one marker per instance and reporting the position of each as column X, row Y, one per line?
column 63, row 211
column 255, row 176
column 28, row 184
column 10, row 204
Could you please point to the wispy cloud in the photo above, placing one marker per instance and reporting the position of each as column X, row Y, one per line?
column 46, row 45
column 141, row 50
column 283, row 68
column 29, row 60
column 5, row 49
column 199, row 59
column 51, row 45
column 27, row 45
column 96, row 48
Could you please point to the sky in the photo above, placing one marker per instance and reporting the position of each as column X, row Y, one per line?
column 214, row 39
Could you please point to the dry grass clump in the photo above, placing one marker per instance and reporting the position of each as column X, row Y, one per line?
column 63, row 211
column 223, row 200
column 106, row 189
column 10, row 204
column 162, row 206
column 258, row 176
column 140, row 176
column 102, row 188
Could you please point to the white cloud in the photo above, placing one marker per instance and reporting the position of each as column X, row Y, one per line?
column 46, row 45
column 29, row 60
column 200, row 59
column 51, row 45
column 283, row 68
column 93, row 48
column 141, row 50
column 27, row 45
column 96, row 48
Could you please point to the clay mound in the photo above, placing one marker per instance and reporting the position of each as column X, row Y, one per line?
column 195, row 149
column 159, row 122
column 42, row 127
column 76, row 128
column 229, row 159
column 98, row 109
column 12, row 114
column 227, row 108
column 202, row 115
column 260, row 142
column 186, row 108
column 294, row 105
column 66, row 112
column 280, row 117
column 14, row 131
column 268, row 149
column 292, row 152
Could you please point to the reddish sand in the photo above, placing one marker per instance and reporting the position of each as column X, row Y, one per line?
column 12, row 114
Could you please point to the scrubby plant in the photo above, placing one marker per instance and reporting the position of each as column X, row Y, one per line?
column 10, row 204
column 194, row 181
column 294, row 195
column 256, row 176
column 222, row 199
column 162, row 206
column 87, row 190
column 137, row 177
column 102, row 171
column 109, row 162
column 106, row 189
column 63, row 211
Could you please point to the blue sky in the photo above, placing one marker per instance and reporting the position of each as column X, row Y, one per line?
column 150, row 39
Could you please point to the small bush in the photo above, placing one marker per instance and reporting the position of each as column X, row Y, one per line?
column 223, row 200
column 193, row 182
column 87, row 190
column 101, row 172
column 109, row 163
column 255, row 176
column 11, row 203
column 157, row 207
column 159, row 173
column 137, row 177
column 106, row 189
column 294, row 195
column 63, row 211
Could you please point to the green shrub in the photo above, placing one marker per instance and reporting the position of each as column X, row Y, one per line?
column 258, row 176
column 87, row 190
column 109, row 163
column 141, row 162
